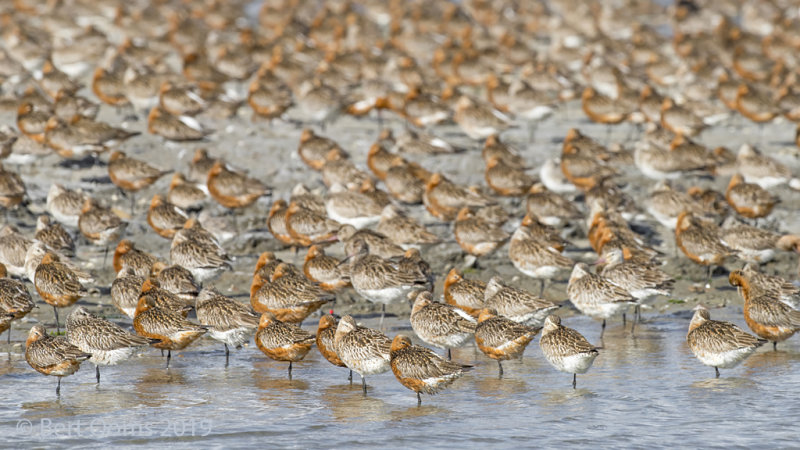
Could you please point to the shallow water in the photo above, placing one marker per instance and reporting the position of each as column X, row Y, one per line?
column 646, row 390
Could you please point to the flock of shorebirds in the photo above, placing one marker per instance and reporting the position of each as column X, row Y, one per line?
column 486, row 66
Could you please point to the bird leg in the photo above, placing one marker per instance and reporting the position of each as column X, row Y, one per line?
column 364, row 385
column 227, row 353
column 774, row 346
column 383, row 313
column 500, row 365
column 716, row 369
column 169, row 356
column 574, row 380
column 710, row 273
column 55, row 310
column 541, row 287
column 58, row 387
column 97, row 373
column 419, row 399
column 290, row 371
column 350, row 378
column 603, row 329
column 449, row 356
column 624, row 322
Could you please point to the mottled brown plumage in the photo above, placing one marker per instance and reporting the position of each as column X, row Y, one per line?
column 107, row 342
column 173, row 127
column 699, row 240
column 719, row 344
column 640, row 280
column 197, row 250
column 404, row 230
column 506, row 179
column 282, row 341
column 54, row 236
column 439, row 324
column 234, row 189
column 494, row 148
column 185, row 194
column 99, row 224
column 405, row 181
column 131, row 174
column 536, row 257
column 52, row 355
column 57, row 284
column 316, row 150
column 276, row 222
column 377, row 243
column 748, row 199
column 500, row 338
column 65, row 205
column 767, row 316
column 516, row 304
column 363, row 350
column 444, row 199
column 164, row 217
column 176, row 279
column 307, row 227
column 475, row 235
column 420, row 369
column 14, row 247
column 171, row 329
column 353, row 208
column 15, row 301
column 289, row 296
column 325, row 270
column 550, row 208
column 228, row 321
column 381, row 280
column 12, row 189
column 127, row 255
column 125, row 290
column 595, row 296
column 162, row 298
column 326, row 332
column 566, row 349
column 462, row 293
column 770, row 285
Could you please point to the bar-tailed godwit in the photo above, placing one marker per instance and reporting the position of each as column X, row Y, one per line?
column 363, row 350
column 420, row 369
column 719, row 344
column 107, row 342
column 595, row 296
column 282, row 341
column 439, row 324
column 52, row 355
column 566, row 349
column 57, row 284
column 228, row 321
column 500, row 338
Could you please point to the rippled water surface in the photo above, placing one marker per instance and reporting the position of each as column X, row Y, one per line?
column 643, row 391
